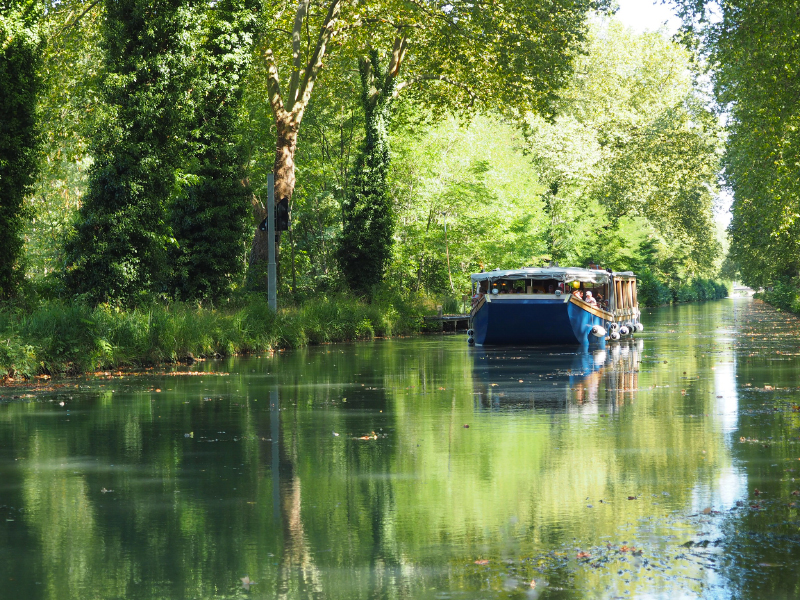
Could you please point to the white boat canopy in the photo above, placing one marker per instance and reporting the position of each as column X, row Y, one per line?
column 564, row 274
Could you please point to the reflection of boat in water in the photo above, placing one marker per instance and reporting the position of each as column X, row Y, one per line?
column 552, row 305
column 507, row 378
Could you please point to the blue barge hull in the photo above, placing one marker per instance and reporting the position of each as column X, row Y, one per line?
column 534, row 321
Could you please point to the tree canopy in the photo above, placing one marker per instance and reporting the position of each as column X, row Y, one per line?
column 751, row 54
column 520, row 135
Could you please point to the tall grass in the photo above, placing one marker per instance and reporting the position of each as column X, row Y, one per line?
column 59, row 338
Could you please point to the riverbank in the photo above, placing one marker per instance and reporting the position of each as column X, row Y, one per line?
column 657, row 290
column 56, row 338
column 783, row 295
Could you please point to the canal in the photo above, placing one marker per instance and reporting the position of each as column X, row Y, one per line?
column 663, row 467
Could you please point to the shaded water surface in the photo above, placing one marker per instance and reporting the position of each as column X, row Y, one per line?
column 662, row 467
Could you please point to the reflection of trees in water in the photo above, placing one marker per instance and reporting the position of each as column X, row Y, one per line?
column 319, row 515
column 335, row 496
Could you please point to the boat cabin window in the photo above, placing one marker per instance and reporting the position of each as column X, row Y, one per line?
column 526, row 286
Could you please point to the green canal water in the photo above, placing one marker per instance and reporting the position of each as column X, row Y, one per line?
column 662, row 467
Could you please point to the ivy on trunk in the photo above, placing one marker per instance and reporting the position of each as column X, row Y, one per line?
column 365, row 245
column 20, row 51
column 120, row 245
column 210, row 218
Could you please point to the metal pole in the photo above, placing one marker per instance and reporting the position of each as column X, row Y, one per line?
column 272, row 292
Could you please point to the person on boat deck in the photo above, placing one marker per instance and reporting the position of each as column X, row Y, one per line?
column 590, row 299
column 577, row 293
column 479, row 293
column 601, row 302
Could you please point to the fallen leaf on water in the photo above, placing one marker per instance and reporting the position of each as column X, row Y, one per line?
column 482, row 562
column 533, row 583
column 466, row 426
column 627, row 549
column 631, row 497
column 796, row 493
column 756, row 492
column 583, row 554
column 707, row 511
column 246, row 583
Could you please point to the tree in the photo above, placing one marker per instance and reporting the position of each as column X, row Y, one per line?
column 119, row 248
column 513, row 59
column 68, row 110
column 20, row 51
column 472, row 181
column 210, row 217
column 628, row 163
column 368, row 214
column 633, row 140
column 752, row 56
column 166, row 209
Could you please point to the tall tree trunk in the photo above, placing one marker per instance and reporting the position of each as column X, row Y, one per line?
column 288, row 109
column 286, row 145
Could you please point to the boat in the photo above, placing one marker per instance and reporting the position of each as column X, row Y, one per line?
column 548, row 305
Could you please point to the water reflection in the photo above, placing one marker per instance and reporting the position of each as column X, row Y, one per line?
column 487, row 468
column 543, row 379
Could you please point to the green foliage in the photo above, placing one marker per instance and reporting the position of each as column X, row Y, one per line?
column 476, row 182
column 20, row 52
column 165, row 211
column 633, row 148
column 120, row 245
column 513, row 59
column 756, row 80
column 651, row 291
column 210, row 217
column 56, row 337
column 752, row 47
column 622, row 176
column 365, row 244
column 783, row 294
column 69, row 109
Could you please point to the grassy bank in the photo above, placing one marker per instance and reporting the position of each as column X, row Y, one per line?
column 654, row 291
column 58, row 338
